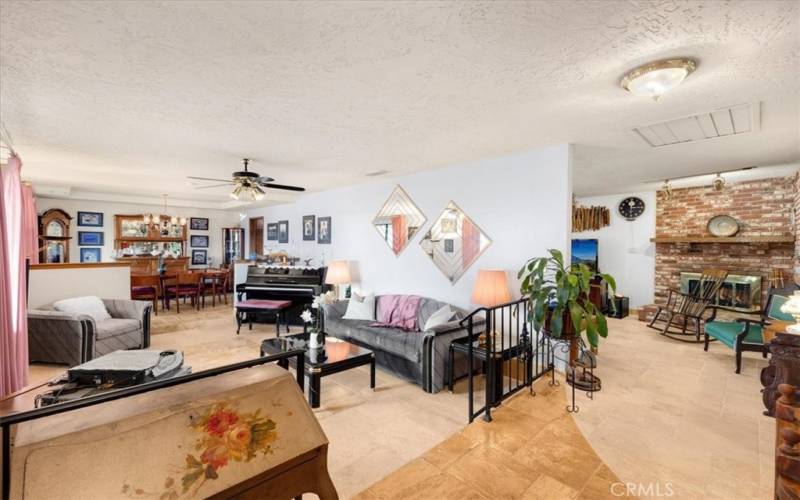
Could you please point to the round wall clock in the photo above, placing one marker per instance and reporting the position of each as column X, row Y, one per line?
column 631, row 207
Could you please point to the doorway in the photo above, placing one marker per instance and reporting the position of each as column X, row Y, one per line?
column 257, row 235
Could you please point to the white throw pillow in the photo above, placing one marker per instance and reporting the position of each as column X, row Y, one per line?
column 91, row 306
column 361, row 308
column 440, row 317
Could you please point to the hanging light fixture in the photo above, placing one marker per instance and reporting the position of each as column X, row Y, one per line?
column 154, row 219
column 666, row 188
column 655, row 78
column 718, row 183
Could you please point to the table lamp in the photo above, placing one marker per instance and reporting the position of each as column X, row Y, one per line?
column 792, row 306
column 491, row 289
column 338, row 274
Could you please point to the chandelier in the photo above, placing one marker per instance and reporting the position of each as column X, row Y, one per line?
column 155, row 219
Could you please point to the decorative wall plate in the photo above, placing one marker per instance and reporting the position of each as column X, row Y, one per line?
column 723, row 226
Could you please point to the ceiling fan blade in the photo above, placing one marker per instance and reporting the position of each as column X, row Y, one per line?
column 207, row 179
column 227, row 184
column 264, row 179
column 281, row 186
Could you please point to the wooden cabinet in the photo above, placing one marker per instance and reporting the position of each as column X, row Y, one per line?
column 135, row 238
column 54, row 236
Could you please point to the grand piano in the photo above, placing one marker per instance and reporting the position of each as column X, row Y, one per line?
column 298, row 284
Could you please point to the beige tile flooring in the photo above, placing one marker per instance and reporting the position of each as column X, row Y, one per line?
column 668, row 413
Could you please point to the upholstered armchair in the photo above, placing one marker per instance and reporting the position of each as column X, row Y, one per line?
column 746, row 334
column 71, row 339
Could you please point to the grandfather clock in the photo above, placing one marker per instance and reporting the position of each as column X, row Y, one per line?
column 54, row 236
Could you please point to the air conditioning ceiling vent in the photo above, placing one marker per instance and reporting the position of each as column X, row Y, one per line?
column 733, row 120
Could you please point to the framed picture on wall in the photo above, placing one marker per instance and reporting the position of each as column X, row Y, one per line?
column 199, row 257
column 90, row 255
column 198, row 224
column 90, row 238
column 198, row 241
column 309, row 228
column 91, row 219
column 283, row 231
column 324, row 230
column 272, row 231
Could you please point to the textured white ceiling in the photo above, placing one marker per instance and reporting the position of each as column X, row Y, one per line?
column 130, row 97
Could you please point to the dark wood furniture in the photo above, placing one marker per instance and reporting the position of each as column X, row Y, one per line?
column 298, row 284
column 54, row 236
column 787, row 451
column 747, row 334
column 232, row 245
column 681, row 308
column 146, row 287
column 216, row 281
column 784, row 368
column 333, row 357
column 138, row 239
column 256, row 236
column 186, row 285
column 246, row 310
column 149, row 264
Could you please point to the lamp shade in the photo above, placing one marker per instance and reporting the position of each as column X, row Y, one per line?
column 338, row 273
column 491, row 288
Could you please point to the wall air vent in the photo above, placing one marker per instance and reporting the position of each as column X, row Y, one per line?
column 733, row 120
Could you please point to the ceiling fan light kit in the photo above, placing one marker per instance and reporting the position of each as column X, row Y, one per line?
column 248, row 186
column 655, row 78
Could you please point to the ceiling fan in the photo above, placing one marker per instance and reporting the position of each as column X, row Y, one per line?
column 247, row 184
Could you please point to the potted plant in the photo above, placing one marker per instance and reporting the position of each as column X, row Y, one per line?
column 559, row 297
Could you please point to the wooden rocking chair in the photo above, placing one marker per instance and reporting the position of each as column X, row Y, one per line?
column 683, row 307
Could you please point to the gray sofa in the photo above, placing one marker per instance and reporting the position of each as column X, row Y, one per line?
column 420, row 356
column 71, row 339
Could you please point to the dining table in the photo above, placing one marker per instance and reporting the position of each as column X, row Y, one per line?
column 216, row 276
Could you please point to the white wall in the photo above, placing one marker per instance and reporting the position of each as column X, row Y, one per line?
column 522, row 202
column 624, row 247
column 48, row 285
column 217, row 220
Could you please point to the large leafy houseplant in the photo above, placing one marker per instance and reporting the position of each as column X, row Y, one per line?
column 559, row 296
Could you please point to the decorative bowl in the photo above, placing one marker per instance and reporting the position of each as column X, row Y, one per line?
column 723, row 226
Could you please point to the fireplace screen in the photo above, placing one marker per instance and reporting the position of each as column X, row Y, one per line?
column 738, row 293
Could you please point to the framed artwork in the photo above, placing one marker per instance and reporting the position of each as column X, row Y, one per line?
column 90, row 238
column 90, row 255
column 272, row 231
column 198, row 240
column 198, row 224
column 91, row 219
column 283, row 231
column 309, row 228
column 324, row 230
column 199, row 257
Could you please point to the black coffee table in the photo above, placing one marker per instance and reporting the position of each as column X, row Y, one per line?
column 334, row 357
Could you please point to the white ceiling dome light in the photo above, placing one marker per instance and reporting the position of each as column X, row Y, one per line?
column 655, row 78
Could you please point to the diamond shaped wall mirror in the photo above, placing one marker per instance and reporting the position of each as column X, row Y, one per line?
column 399, row 220
column 454, row 242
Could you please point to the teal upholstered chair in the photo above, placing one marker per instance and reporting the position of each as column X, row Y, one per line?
column 746, row 334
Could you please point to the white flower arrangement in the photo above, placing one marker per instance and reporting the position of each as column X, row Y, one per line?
column 307, row 317
column 322, row 300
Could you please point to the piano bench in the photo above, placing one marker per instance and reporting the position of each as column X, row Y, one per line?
column 247, row 309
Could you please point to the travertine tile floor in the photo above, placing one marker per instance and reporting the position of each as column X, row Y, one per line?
column 668, row 415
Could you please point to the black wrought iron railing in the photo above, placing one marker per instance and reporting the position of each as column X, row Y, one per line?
column 7, row 421
column 511, row 352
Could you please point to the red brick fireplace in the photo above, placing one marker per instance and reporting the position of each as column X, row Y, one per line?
column 766, row 210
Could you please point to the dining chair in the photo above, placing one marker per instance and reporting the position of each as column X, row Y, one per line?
column 146, row 287
column 187, row 284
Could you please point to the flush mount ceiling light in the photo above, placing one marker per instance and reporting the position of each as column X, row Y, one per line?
column 655, row 78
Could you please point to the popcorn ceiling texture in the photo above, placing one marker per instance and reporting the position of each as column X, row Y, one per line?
column 763, row 208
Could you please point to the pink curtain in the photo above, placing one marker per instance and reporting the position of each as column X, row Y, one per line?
column 30, row 225
column 470, row 241
column 13, row 318
column 399, row 232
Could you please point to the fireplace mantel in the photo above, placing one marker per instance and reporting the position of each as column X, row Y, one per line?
column 722, row 239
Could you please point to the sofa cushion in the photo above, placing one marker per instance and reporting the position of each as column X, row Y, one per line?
column 405, row 344
column 726, row 332
column 115, row 327
column 90, row 306
column 441, row 316
column 361, row 308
